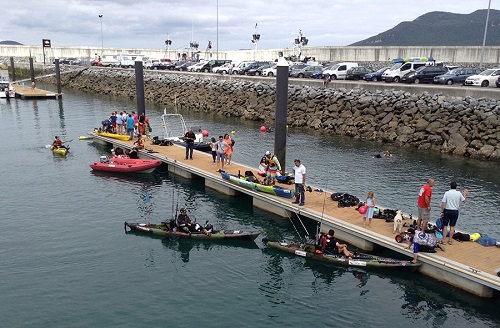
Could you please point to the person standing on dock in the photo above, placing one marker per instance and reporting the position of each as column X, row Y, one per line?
column 119, row 123
column 424, row 205
column 370, row 203
column 189, row 139
column 221, row 155
column 300, row 182
column 130, row 126
column 449, row 209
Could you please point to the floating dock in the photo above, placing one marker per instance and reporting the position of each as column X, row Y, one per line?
column 27, row 92
column 466, row 265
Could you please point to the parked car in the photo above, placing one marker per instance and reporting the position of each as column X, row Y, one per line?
column 271, row 71
column 295, row 68
column 184, row 66
column 424, row 74
column 357, row 73
column 163, row 66
column 254, row 65
column 196, row 67
column 457, row 75
column 224, row 69
column 95, row 62
column 209, row 65
column 258, row 71
column 398, row 70
column 241, row 66
column 497, row 82
column 307, row 71
column 485, row 78
column 375, row 76
column 339, row 70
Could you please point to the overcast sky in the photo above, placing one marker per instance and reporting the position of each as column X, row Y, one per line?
column 146, row 23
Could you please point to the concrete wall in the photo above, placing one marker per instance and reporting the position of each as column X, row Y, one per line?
column 464, row 55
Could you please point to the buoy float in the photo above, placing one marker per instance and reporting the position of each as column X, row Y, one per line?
column 205, row 133
column 233, row 132
column 263, row 129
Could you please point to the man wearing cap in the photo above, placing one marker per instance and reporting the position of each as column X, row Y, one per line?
column 183, row 221
column 300, row 182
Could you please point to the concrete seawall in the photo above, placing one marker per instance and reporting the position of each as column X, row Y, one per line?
column 464, row 126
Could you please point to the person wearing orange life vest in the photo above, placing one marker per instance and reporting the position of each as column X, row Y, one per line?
column 57, row 143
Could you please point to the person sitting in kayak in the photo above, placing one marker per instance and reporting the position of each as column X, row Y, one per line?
column 330, row 245
column 184, row 222
column 139, row 142
column 57, row 143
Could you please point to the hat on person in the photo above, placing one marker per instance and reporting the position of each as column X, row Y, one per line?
column 182, row 210
column 268, row 153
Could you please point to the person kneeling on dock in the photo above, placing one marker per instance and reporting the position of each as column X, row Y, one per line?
column 421, row 242
column 329, row 245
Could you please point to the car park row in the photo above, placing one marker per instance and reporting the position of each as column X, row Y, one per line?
column 413, row 70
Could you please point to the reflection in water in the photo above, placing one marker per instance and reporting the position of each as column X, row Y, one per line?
column 61, row 117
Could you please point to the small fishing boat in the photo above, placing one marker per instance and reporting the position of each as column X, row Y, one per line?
column 163, row 229
column 243, row 182
column 123, row 137
column 357, row 260
column 6, row 87
column 174, row 128
column 125, row 165
column 60, row 150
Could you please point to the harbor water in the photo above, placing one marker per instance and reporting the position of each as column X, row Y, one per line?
column 66, row 261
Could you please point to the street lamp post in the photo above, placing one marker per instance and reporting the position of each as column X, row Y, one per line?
column 194, row 48
column 102, row 39
column 299, row 42
column 168, row 43
column 484, row 38
column 255, row 39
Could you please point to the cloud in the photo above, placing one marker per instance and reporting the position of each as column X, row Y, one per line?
column 145, row 24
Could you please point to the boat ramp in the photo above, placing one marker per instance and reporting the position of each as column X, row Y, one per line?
column 467, row 265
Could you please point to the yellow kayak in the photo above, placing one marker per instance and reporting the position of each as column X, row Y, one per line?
column 60, row 150
column 113, row 135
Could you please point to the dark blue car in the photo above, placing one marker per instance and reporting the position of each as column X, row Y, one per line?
column 375, row 76
column 457, row 75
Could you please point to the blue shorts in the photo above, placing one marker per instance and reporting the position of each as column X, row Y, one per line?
column 450, row 217
column 220, row 156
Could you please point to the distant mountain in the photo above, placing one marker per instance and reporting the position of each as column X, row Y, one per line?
column 11, row 43
column 440, row 28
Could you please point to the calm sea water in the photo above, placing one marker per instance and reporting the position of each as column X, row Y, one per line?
column 65, row 260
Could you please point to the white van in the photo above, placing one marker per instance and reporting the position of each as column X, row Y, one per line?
column 338, row 71
column 397, row 71
column 128, row 60
column 110, row 60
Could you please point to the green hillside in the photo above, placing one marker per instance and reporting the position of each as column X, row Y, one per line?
column 439, row 28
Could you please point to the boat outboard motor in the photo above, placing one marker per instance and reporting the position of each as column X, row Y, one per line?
column 104, row 159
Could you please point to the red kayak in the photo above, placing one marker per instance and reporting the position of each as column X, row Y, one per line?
column 125, row 165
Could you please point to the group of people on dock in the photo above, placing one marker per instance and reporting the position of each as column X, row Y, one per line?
column 125, row 123
column 222, row 151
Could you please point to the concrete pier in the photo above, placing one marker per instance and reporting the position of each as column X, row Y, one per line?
column 467, row 266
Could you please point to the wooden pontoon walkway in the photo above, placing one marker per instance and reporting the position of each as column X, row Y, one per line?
column 26, row 92
column 467, row 265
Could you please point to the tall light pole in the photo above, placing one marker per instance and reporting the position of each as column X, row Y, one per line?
column 255, row 39
column 485, row 31
column 217, row 40
column 102, row 39
column 168, row 43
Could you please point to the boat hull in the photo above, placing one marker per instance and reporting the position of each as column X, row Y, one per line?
column 126, row 165
column 161, row 230
column 273, row 190
column 113, row 135
column 358, row 260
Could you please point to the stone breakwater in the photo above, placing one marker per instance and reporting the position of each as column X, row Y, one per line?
column 462, row 126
